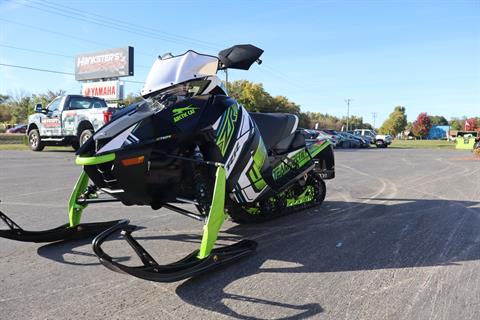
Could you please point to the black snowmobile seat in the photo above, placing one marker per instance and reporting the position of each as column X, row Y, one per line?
column 275, row 127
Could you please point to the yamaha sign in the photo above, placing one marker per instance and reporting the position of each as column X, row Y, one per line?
column 108, row 90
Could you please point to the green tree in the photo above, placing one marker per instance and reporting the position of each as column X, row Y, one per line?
column 395, row 123
column 439, row 120
column 45, row 98
column 282, row 104
column 20, row 108
column 5, row 114
column 304, row 121
column 131, row 98
column 355, row 122
column 456, row 124
column 4, row 98
column 251, row 95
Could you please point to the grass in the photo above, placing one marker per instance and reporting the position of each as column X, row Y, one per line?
column 400, row 144
column 22, row 147
column 422, row 144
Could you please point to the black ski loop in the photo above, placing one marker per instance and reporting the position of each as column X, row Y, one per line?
column 146, row 258
column 10, row 223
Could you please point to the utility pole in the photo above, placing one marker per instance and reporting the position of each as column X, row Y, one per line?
column 348, row 110
column 374, row 115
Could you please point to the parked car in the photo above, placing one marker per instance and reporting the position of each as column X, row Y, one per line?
column 333, row 136
column 21, row 128
column 369, row 139
column 67, row 120
column 309, row 134
column 364, row 143
column 348, row 141
column 380, row 140
column 322, row 136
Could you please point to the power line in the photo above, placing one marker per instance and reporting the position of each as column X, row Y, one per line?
column 69, row 36
column 36, row 51
column 111, row 24
column 130, row 24
column 53, row 71
column 119, row 25
column 36, row 69
column 53, row 53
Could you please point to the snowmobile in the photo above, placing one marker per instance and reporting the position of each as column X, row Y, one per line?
column 189, row 142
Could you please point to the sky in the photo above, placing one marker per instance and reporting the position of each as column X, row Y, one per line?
column 424, row 55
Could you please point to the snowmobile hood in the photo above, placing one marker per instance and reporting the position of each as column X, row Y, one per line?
column 124, row 121
column 170, row 71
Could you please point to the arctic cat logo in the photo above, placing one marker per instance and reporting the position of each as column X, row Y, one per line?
column 182, row 113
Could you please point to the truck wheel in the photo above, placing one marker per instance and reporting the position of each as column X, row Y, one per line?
column 380, row 144
column 34, row 140
column 86, row 134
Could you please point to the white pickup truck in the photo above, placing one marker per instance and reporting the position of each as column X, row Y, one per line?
column 380, row 140
column 67, row 120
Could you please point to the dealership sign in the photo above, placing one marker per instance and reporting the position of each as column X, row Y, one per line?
column 108, row 90
column 111, row 63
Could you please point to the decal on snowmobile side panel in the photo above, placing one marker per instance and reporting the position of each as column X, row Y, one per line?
column 250, row 183
column 243, row 135
column 118, row 141
column 226, row 128
column 182, row 113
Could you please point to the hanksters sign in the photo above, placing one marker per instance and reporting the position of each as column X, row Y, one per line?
column 111, row 63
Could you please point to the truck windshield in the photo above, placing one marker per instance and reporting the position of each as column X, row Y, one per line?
column 80, row 103
column 53, row 106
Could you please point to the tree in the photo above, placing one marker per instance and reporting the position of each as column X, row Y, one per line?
column 4, row 98
column 45, row 98
column 395, row 123
column 5, row 115
column 355, row 122
column 131, row 99
column 456, row 124
column 251, row 95
column 20, row 108
column 422, row 125
column 439, row 120
column 470, row 124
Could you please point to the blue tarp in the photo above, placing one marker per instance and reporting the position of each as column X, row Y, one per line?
column 438, row 132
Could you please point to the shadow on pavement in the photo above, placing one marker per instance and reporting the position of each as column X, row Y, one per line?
column 338, row 236
column 345, row 237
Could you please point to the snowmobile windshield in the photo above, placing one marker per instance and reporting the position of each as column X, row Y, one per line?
column 170, row 71
column 172, row 95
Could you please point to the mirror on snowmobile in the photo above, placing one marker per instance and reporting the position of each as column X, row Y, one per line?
column 240, row 56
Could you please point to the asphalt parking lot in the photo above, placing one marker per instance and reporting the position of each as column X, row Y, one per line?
column 398, row 237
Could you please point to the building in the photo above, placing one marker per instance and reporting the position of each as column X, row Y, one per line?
column 438, row 132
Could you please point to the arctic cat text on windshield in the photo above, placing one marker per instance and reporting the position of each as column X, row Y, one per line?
column 189, row 142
